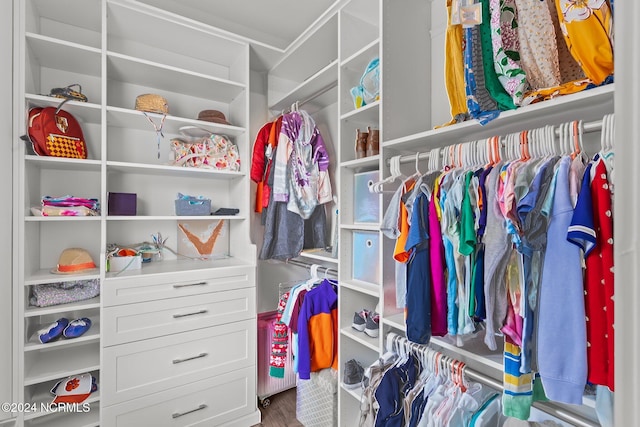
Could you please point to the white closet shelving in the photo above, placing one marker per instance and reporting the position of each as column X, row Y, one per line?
column 410, row 44
column 117, row 50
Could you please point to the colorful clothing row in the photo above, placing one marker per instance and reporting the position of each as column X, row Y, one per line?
column 525, row 51
column 490, row 245
column 309, row 311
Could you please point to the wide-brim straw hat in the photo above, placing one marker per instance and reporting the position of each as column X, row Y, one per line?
column 75, row 261
column 152, row 103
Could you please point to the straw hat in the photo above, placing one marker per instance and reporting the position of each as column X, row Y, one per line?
column 214, row 116
column 152, row 103
column 75, row 261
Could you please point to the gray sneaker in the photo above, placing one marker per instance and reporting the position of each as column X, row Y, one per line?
column 372, row 325
column 360, row 320
column 352, row 374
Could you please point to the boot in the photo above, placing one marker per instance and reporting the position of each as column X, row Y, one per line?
column 373, row 142
column 361, row 144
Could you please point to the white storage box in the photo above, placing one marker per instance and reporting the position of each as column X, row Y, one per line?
column 365, row 257
column 120, row 263
column 366, row 205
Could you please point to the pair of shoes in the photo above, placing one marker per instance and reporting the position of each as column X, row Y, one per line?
column 367, row 321
column 353, row 374
column 64, row 327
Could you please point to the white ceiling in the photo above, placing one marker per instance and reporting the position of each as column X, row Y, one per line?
column 276, row 23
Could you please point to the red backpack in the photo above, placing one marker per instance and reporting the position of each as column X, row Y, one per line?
column 55, row 132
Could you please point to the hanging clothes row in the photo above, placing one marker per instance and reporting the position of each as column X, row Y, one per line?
column 495, row 240
column 308, row 311
column 416, row 386
column 290, row 166
column 500, row 55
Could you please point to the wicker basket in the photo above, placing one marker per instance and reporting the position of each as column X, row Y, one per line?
column 152, row 103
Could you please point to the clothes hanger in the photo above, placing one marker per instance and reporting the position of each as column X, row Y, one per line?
column 394, row 170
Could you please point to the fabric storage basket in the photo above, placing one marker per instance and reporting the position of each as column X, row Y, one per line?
column 193, row 207
column 317, row 399
column 366, row 205
column 365, row 251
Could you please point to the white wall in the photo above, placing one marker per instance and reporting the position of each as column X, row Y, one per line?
column 6, row 174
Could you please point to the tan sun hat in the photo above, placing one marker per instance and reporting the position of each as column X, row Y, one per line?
column 75, row 261
column 152, row 103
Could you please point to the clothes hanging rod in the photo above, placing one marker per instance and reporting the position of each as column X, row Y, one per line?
column 588, row 127
column 318, row 93
column 322, row 269
column 471, row 374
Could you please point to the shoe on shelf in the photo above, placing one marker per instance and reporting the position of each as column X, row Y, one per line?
column 77, row 327
column 372, row 325
column 52, row 331
column 353, row 374
column 360, row 319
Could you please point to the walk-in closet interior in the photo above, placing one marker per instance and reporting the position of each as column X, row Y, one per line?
column 404, row 211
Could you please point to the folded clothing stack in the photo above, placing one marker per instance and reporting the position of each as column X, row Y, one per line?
column 67, row 206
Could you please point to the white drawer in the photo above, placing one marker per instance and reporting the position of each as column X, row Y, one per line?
column 158, row 364
column 132, row 289
column 133, row 322
column 209, row 402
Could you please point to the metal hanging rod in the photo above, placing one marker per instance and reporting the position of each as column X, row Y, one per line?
column 588, row 127
column 318, row 93
column 471, row 374
column 322, row 269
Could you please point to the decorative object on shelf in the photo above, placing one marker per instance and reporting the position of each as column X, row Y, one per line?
column 213, row 116
column 55, row 132
column 361, row 144
column 368, row 90
column 211, row 152
column 68, row 93
column 75, row 261
column 74, row 389
column 122, row 203
column 373, row 142
column 152, row 103
column 46, row 295
column 197, row 239
column 192, row 205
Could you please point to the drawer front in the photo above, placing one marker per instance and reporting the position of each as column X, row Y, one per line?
column 209, row 402
column 129, row 290
column 133, row 322
column 158, row 364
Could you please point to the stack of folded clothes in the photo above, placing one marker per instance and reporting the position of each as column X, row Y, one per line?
column 67, row 206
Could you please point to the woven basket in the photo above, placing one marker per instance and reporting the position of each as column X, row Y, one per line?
column 152, row 103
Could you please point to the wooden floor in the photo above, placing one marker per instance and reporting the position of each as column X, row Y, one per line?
column 281, row 411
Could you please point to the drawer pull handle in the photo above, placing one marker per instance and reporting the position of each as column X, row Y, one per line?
column 179, row 414
column 176, row 361
column 185, row 285
column 177, row 316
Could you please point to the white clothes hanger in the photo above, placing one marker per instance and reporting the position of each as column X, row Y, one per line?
column 394, row 169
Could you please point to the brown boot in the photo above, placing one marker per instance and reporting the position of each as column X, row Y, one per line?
column 361, row 144
column 373, row 142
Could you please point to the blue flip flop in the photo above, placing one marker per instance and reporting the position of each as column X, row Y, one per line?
column 77, row 327
column 53, row 331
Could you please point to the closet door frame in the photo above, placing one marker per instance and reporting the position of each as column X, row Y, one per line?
column 626, row 208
